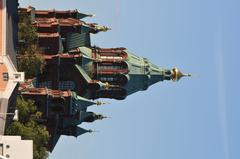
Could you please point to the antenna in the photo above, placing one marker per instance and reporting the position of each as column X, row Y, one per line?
column 92, row 15
column 93, row 131
column 195, row 75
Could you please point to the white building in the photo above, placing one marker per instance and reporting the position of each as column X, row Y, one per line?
column 9, row 77
column 13, row 147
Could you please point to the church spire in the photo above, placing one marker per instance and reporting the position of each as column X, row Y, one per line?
column 75, row 131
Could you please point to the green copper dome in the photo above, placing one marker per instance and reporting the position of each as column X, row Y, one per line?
column 143, row 74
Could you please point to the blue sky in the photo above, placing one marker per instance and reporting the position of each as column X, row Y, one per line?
column 196, row 118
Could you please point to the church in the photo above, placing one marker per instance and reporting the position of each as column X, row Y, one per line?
column 76, row 74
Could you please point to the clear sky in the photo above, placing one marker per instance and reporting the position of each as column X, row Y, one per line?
column 196, row 118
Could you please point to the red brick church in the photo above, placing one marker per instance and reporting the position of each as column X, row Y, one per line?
column 76, row 73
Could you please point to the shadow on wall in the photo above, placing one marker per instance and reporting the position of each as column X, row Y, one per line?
column 12, row 29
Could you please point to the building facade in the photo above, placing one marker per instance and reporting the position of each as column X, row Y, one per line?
column 13, row 147
column 9, row 77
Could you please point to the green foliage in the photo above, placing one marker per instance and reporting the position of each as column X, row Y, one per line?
column 28, row 128
column 27, row 31
column 31, row 64
column 29, row 59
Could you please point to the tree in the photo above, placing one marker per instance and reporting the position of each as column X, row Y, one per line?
column 29, row 129
column 29, row 59
column 31, row 62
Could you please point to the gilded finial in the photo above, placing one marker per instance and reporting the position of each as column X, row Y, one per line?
column 177, row 74
column 101, row 117
column 107, row 85
column 102, row 28
column 99, row 103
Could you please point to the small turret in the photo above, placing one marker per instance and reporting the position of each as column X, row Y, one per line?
column 91, row 117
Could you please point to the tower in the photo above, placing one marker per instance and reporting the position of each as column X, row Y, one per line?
column 102, row 73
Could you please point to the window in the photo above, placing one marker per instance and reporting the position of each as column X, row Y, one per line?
column 1, row 149
column 111, row 57
column 109, row 67
column 5, row 76
column 66, row 85
column 47, row 84
column 109, row 79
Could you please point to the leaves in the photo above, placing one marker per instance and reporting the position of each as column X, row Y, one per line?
column 29, row 59
column 31, row 64
column 29, row 129
column 27, row 32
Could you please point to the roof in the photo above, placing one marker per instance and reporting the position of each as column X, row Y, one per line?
column 48, row 35
column 63, row 22
column 45, row 91
column 63, row 55
column 56, row 13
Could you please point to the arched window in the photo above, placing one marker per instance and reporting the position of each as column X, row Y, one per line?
column 112, row 66
column 116, row 93
column 114, row 79
column 109, row 67
column 107, row 79
column 111, row 57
